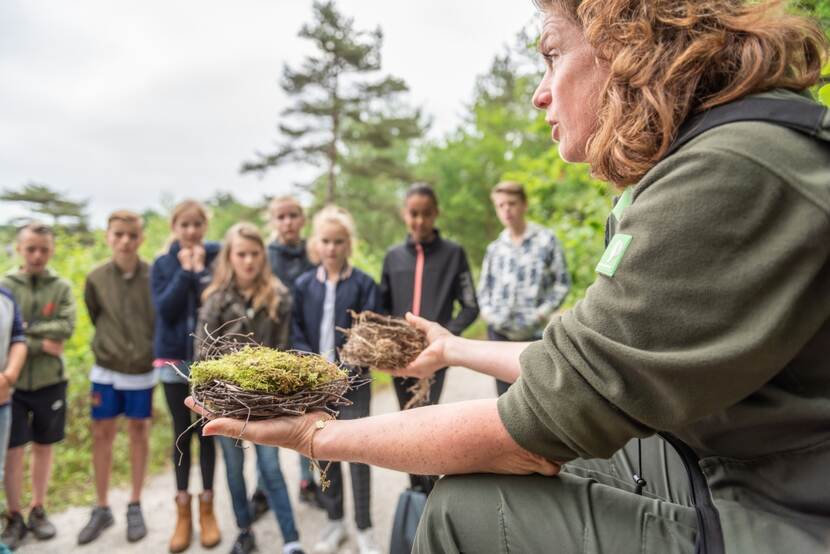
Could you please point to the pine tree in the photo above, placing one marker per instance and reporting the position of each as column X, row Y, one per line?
column 343, row 116
column 42, row 199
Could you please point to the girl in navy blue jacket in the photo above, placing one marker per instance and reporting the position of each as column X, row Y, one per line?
column 177, row 280
column 322, row 300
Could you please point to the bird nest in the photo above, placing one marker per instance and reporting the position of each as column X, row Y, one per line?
column 242, row 380
column 384, row 342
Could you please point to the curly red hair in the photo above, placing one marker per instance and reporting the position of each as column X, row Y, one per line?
column 669, row 59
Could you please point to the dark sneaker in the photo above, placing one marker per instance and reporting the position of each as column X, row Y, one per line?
column 100, row 519
column 15, row 530
column 39, row 524
column 244, row 543
column 310, row 494
column 136, row 530
column 259, row 504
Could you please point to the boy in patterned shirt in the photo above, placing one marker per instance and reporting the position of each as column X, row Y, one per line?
column 524, row 278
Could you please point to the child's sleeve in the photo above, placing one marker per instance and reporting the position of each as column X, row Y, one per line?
column 465, row 294
column 370, row 296
column 59, row 327
column 485, row 285
column 299, row 340
column 384, row 303
column 93, row 307
column 283, row 334
column 170, row 292
column 18, row 332
column 556, row 281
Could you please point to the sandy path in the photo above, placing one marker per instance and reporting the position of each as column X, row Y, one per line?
column 159, row 510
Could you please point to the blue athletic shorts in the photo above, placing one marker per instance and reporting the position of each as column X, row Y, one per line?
column 108, row 402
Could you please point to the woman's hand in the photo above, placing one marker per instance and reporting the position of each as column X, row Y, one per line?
column 433, row 357
column 294, row 432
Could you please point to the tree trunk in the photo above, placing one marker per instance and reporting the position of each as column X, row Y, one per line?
column 335, row 132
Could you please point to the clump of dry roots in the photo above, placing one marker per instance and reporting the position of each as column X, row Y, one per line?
column 378, row 341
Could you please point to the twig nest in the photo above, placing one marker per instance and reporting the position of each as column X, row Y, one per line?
column 255, row 382
column 379, row 341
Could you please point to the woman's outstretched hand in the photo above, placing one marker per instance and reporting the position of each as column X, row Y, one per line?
column 286, row 432
column 433, row 358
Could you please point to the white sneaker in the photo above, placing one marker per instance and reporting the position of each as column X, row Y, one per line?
column 366, row 542
column 333, row 535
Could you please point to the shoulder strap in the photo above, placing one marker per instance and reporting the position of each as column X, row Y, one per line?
column 805, row 117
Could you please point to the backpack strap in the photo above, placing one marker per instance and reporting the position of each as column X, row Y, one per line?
column 806, row 117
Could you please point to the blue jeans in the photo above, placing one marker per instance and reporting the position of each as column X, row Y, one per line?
column 268, row 467
column 5, row 429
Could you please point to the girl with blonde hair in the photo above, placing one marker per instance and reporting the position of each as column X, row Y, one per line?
column 323, row 298
column 245, row 299
column 685, row 398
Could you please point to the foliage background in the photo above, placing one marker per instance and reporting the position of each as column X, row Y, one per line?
column 500, row 137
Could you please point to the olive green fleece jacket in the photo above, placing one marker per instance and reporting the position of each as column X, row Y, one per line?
column 122, row 311
column 48, row 311
column 715, row 327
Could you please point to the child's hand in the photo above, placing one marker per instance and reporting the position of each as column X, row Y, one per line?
column 186, row 258
column 198, row 258
column 53, row 347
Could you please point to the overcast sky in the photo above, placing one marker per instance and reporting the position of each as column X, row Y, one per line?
column 122, row 102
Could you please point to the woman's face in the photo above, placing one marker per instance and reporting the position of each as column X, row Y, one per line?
column 569, row 91
column 419, row 214
column 247, row 260
column 333, row 246
column 189, row 228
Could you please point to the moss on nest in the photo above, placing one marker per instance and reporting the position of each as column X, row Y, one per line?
column 261, row 369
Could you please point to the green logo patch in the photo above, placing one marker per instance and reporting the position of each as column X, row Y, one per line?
column 613, row 254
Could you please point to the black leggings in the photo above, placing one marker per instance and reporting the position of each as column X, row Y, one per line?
column 175, row 393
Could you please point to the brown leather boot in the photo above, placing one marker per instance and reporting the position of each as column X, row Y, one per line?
column 183, row 532
column 209, row 528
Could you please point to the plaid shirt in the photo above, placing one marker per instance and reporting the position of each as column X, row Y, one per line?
column 521, row 286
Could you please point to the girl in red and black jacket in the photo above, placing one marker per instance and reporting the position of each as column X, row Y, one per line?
column 427, row 275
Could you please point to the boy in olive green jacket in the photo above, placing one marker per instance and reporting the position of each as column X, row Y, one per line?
column 117, row 297
column 39, row 399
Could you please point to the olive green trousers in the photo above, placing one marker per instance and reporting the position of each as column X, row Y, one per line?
column 591, row 507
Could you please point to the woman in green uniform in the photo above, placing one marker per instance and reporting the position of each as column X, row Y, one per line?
column 708, row 322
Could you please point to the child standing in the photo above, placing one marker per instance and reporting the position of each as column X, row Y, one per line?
column 288, row 257
column 177, row 280
column 322, row 300
column 524, row 278
column 12, row 358
column 244, row 298
column 427, row 275
column 117, row 297
column 39, row 399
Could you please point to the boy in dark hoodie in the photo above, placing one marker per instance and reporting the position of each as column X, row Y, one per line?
column 39, row 399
